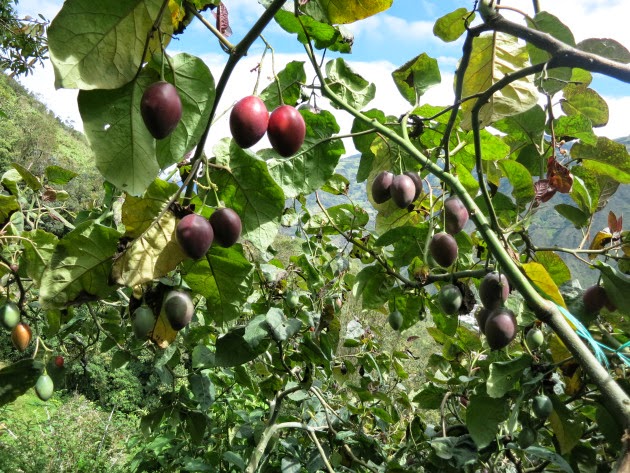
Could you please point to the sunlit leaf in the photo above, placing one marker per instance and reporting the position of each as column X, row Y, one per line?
column 493, row 56
column 80, row 266
column 323, row 35
column 101, row 44
column 483, row 416
column 224, row 278
column 537, row 273
column 349, row 11
column 602, row 240
column 607, row 157
column 416, row 76
column 30, row 179
column 163, row 334
column 452, row 25
column 288, row 84
column 581, row 100
column 347, row 84
column 606, row 47
column 245, row 185
column 152, row 256
column 59, row 175
column 617, row 285
column 39, row 246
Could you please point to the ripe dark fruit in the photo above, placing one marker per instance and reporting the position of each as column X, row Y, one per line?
column 482, row 316
column 248, row 121
column 161, row 109
column 143, row 322
column 195, row 235
column 402, row 190
column 455, row 215
column 286, row 130
column 542, row 406
column 443, row 249
column 59, row 361
column 21, row 336
column 526, row 437
column 417, row 182
column 9, row 315
column 450, row 299
column 595, row 299
column 178, row 308
column 44, row 387
column 494, row 290
column 227, row 226
column 500, row 328
column 395, row 320
column 534, row 339
column 381, row 186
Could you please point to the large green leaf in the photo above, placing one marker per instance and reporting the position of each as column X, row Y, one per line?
column 323, row 35
column 555, row 79
column 243, row 344
column 245, row 185
column 567, row 429
column 101, row 44
column 30, row 179
column 373, row 285
column 18, row 378
column 606, row 47
column 124, row 149
column 582, row 100
column 416, row 76
column 311, row 168
column 505, row 374
column 555, row 266
column 80, row 266
column 347, row 84
column 452, row 25
column 617, row 285
column 607, row 157
column 195, row 86
column 348, row 11
column 38, row 249
column 287, row 84
column 483, row 416
column 224, row 278
column 520, row 179
column 493, row 56
column 59, row 175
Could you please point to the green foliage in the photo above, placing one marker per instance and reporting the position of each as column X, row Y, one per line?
column 288, row 363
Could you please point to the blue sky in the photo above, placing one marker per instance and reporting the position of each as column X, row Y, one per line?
column 382, row 43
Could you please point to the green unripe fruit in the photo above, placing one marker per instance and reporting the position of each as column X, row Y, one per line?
column 44, row 387
column 535, row 339
column 395, row 320
column 526, row 437
column 143, row 322
column 292, row 299
column 542, row 406
column 9, row 315
column 179, row 309
column 450, row 299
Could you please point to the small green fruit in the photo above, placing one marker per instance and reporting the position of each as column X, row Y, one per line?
column 395, row 320
column 535, row 339
column 450, row 299
column 9, row 315
column 292, row 299
column 143, row 322
column 44, row 387
column 542, row 406
column 526, row 437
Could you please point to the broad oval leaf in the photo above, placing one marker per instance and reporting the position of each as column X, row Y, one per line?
column 416, row 76
column 347, row 84
column 245, row 185
column 493, row 56
column 606, row 47
column 349, row 11
column 452, row 25
column 537, row 273
column 101, row 44
column 80, row 266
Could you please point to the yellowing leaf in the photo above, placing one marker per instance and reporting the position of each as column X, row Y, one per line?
column 599, row 242
column 163, row 334
column 494, row 56
column 574, row 384
column 348, row 11
column 151, row 256
column 537, row 273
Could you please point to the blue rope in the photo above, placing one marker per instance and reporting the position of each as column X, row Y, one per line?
column 583, row 332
